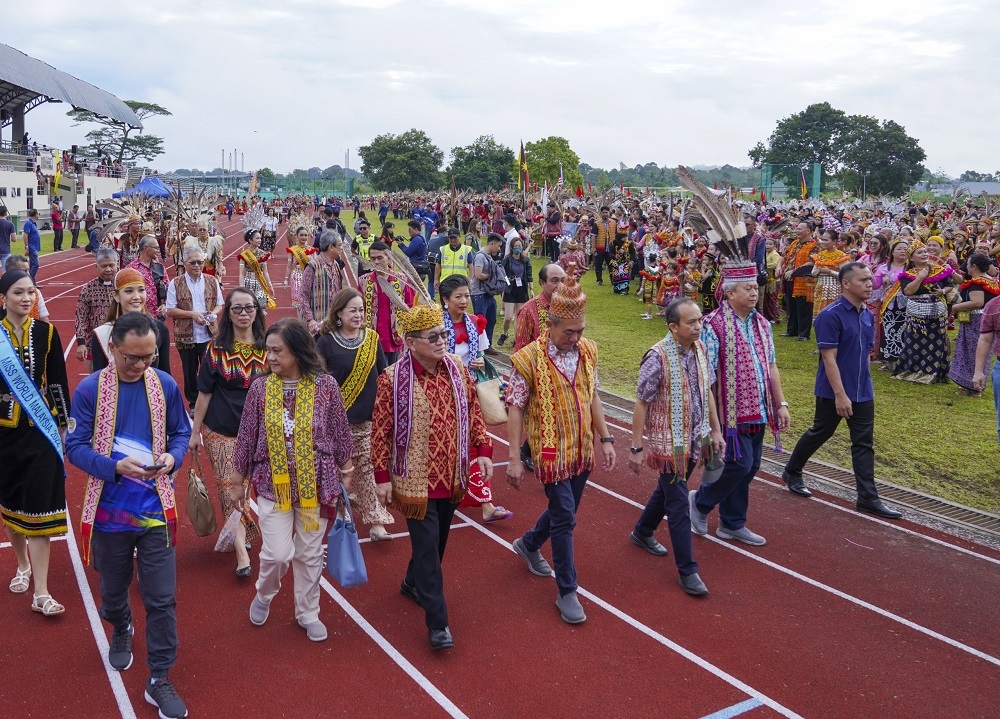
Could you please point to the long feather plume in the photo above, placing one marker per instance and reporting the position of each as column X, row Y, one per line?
column 716, row 211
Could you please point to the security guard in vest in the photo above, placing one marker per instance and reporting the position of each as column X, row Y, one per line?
column 456, row 258
column 363, row 241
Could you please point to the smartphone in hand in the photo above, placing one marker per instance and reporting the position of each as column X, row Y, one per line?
column 154, row 467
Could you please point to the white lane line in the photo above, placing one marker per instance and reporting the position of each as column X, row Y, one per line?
column 407, row 534
column 661, row 639
column 402, row 662
column 820, row 585
column 827, row 588
column 891, row 525
column 96, row 626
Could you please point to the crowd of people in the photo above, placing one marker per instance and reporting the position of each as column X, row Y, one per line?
column 371, row 390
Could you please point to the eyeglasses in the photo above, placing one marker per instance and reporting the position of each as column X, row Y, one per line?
column 132, row 360
column 244, row 309
column 195, row 263
column 433, row 339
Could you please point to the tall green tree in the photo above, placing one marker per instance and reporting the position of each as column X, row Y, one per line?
column 483, row 165
column 544, row 158
column 402, row 162
column 813, row 135
column 265, row 176
column 119, row 140
column 879, row 158
column 847, row 146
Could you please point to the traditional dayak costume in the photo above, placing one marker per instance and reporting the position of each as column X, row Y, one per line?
column 827, row 289
column 426, row 429
column 555, row 389
column 963, row 364
column 356, row 365
column 924, row 357
column 531, row 320
column 382, row 314
column 301, row 256
column 33, row 406
column 255, row 279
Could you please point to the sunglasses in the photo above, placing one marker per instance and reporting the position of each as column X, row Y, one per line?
column 244, row 309
column 436, row 337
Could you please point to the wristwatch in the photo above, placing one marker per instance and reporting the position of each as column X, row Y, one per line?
column 782, row 404
column 635, row 450
column 607, row 440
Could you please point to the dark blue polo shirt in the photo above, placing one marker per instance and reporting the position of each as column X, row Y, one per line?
column 842, row 327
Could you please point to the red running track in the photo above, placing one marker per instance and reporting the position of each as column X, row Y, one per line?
column 840, row 615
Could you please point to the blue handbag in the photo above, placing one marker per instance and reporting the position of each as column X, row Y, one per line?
column 344, row 561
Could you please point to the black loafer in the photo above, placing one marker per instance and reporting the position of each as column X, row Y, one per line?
column 879, row 509
column 409, row 592
column 649, row 544
column 796, row 485
column 441, row 638
column 529, row 464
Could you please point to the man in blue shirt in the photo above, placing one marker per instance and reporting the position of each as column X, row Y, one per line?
column 32, row 242
column 130, row 514
column 845, row 334
column 416, row 249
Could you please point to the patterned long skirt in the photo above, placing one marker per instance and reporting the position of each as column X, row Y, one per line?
column 295, row 285
column 826, row 293
column 963, row 364
column 621, row 277
column 220, row 450
column 363, row 490
column 268, row 240
column 876, row 310
column 769, row 302
column 925, row 346
column 891, row 345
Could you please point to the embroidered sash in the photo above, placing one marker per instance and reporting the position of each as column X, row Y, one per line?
column 24, row 390
column 403, row 383
column 471, row 330
column 669, row 421
column 104, row 437
column 300, row 256
column 302, row 447
column 364, row 360
column 254, row 265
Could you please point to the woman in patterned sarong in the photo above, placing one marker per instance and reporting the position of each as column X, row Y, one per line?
column 975, row 294
column 232, row 362
column 925, row 337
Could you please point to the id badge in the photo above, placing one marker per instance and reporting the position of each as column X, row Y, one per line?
column 517, row 281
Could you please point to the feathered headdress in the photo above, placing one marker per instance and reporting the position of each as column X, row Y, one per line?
column 425, row 313
column 253, row 219
column 121, row 214
column 725, row 229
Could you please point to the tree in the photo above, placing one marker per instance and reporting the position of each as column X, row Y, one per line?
column 116, row 139
column 265, row 176
column 878, row 158
column 812, row 135
column 483, row 165
column 544, row 158
column 847, row 147
column 402, row 162
column 973, row 176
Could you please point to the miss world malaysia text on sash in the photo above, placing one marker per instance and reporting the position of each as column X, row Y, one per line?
column 27, row 394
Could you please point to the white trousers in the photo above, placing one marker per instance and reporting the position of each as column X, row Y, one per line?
column 286, row 542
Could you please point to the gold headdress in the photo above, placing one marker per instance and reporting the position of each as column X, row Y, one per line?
column 568, row 302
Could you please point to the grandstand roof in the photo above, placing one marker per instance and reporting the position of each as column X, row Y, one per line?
column 27, row 82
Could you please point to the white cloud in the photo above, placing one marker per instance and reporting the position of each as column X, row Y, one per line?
column 298, row 83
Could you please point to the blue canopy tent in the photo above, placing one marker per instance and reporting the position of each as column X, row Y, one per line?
column 150, row 186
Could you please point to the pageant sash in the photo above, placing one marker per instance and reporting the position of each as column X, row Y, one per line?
column 27, row 394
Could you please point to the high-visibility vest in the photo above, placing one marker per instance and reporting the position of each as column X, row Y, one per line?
column 364, row 247
column 455, row 262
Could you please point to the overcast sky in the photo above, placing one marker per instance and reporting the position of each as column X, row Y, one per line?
column 296, row 83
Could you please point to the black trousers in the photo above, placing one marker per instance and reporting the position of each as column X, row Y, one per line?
column 803, row 317
column 190, row 364
column 76, row 237
column 862, row 427
column 793, row 319
column 552, row 247
column 600, row 260
column 428, row 537
column 57, row 240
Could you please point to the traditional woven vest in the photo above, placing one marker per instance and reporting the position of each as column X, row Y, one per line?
column 570, row 411
column 184, row 327
column 605, row 234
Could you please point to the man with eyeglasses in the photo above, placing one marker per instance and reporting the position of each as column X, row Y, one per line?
column 322, row 278
column 194, row 301
column 153, row 275
column 427, row 428
column 129, row 434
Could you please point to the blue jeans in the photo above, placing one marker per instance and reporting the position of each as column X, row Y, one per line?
column 3, row 261
column 32, row 264
column 486, row 305
column 731, row 492
column 670, row 500
column 557, row 523
column 996, row 394
column 157, row 586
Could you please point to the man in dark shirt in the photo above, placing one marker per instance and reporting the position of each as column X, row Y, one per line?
column 845, row 334
column 7, row 231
